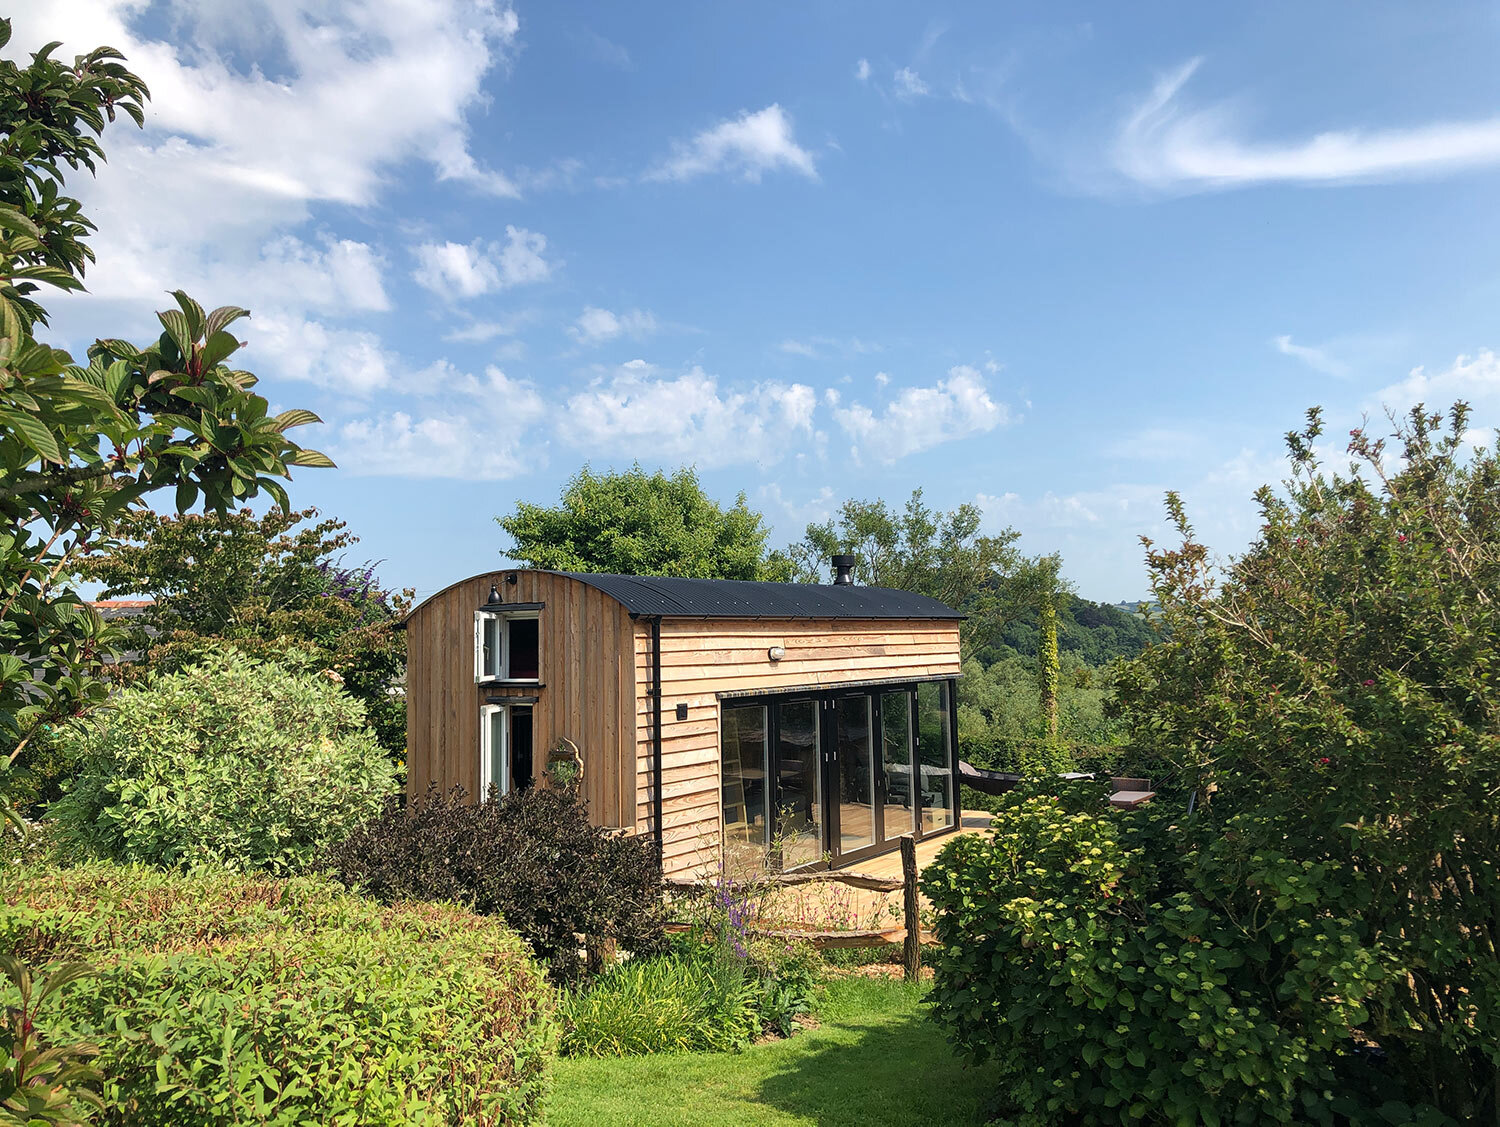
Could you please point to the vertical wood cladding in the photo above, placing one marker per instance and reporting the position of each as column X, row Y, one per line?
column 587, row 691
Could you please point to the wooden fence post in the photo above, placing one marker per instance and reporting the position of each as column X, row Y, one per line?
column 913, row 947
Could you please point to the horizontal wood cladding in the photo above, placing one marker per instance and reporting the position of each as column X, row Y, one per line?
column 702, row 658
column 587, row 693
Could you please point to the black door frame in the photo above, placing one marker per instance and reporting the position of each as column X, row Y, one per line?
column 829, row 762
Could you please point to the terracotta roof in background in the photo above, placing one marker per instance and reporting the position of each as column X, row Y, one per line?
column 120, row 604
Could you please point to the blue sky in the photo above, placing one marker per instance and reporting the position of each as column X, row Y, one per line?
column 1053, row 259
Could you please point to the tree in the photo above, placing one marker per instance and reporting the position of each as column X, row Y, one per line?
column 635, row 523
column 942, row 555
column 1048, row 670
column 81, row 444
column 1332, row 701
column 267, row 587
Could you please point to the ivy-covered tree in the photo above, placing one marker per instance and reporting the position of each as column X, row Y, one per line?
column 272, row 586
column 635, row 523
column 1049, row 672
column 80, row 443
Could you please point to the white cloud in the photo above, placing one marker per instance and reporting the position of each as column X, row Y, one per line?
column 1168, row 145
column 635, row 412
column 749, row 145
column 1315, row 358
column 343, row 275
column 862, row 70
column 919, row 418
column 1476, row 380
column 909, row 84
column 487, row 446
column 595, row 326
column 458, row 270
column 455, row 446
column 233, row 157
column 478, row 332
column 814, row 347
column 351, row 361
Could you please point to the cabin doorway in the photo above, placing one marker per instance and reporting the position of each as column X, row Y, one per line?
column 836, row 777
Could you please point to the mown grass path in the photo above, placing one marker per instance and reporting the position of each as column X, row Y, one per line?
column 876, row 1060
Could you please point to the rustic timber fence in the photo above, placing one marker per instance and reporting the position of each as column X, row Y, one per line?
column 910, row 936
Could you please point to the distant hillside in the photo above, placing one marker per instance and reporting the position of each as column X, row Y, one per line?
column 1096, row 632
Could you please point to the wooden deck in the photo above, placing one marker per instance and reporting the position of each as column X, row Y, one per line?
column 889, row 864
column 834, row 906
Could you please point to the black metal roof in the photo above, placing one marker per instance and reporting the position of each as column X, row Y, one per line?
column 738, row 598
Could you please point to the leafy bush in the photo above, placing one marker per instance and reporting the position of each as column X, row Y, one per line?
column 669, row 1004
column 262, row 584
column 531, row 857
column 1330, row 703
column 226, row 999
column 234, row 762
column 1118, row 976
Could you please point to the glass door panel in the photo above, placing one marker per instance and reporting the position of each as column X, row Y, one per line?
column 855, row 791
column 898, row 814
column 800, row 800
column 745, row 751
column 934, row 756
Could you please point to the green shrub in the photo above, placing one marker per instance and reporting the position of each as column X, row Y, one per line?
column 1104, row 955
column 226, row 999
column 1317, row 941
column 234, row 762
column 669, row 1004
column 531, row 857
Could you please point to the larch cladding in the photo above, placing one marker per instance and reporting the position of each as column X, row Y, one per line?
column 703, row 658
column 587, row 689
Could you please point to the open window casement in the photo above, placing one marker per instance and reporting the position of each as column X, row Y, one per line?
column 506, row 647
column 494, row 749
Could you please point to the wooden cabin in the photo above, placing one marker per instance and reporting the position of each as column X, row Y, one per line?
column 729, row 720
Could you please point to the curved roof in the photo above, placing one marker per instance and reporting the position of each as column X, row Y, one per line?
column 739, row 598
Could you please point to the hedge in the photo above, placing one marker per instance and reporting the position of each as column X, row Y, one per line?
column 228, row 999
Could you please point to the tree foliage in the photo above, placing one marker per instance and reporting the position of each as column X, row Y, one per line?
column 942, row 555
column 1094, row 633
column 635, row 523
column 1337, row 692
column 81, row 443
column 1327, row 706
column 272, row 586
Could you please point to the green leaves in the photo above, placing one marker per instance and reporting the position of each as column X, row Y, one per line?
column 79, row 445
column 321, row 1008
column 635, row 523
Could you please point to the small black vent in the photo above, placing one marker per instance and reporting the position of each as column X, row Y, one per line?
column 843, row 571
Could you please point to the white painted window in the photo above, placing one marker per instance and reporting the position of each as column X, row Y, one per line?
column 494, row 749
column 506, row 646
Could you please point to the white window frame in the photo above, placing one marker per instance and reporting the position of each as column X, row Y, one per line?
column 503, row 619
column 487, row 756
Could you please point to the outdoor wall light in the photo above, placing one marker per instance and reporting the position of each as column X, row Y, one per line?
column 776, row 653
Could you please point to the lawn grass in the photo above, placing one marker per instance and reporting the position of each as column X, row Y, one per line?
column 876, row 1060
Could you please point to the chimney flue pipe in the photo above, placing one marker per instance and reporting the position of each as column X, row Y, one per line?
column 843, row 571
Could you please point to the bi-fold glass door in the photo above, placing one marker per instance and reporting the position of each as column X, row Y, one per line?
column 837, row 776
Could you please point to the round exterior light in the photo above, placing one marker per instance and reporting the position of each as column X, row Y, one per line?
column 776, row 653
